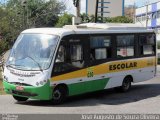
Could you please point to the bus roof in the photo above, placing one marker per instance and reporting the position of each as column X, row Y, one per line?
column 91, row 28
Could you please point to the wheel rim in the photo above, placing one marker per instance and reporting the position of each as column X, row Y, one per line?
column 56, row 95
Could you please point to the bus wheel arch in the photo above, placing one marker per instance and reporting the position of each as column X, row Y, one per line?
column 129, row 77
column 59, row 94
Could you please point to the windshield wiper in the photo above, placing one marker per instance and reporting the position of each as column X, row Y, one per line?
column 36, row 63
column 10, row 65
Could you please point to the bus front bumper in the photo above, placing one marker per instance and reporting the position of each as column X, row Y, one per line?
column 40, row 93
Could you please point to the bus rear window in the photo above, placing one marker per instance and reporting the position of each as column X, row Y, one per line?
column 147, row 44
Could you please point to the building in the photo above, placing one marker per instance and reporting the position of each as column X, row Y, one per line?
column 129, row 11
column 149, row 16
column 106, row 8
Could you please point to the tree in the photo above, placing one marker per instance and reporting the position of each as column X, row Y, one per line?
column 65, row 19
column 118, row 19
column 85, row 18
column 18, row 15
column 7, row 29
column 37, row 13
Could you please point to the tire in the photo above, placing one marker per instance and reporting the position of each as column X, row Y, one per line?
column 126, row 85
column 19, row 99
column 59, row 95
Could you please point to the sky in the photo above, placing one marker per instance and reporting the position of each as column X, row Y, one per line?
column 71, row 9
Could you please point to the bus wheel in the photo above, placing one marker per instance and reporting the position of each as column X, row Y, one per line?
column 20, row 98
column 126, row 85
column 59, row 95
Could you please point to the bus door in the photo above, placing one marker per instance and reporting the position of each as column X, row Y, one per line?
column 100, row 53
column 71, row 62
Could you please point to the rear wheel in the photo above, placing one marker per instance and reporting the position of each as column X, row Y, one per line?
column 126, row 85
column 59, row 95
column 20, row 98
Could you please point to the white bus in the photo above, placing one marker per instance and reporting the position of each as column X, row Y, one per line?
column 54, row 63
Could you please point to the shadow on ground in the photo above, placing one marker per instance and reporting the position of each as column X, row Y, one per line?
column 107, row 97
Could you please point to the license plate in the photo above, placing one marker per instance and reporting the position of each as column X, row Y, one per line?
column 20, row 88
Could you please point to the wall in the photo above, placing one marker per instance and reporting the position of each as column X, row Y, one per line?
column 112, row 8
column 153, row 15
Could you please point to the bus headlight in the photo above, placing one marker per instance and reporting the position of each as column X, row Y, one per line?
column 5, row 78
column 37, row 83
column 41, row 82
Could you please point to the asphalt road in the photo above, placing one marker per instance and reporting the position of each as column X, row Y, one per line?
column 143, row 98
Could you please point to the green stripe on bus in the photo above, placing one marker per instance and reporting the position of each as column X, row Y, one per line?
column 89, row 86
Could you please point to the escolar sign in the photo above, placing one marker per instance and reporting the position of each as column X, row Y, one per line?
column 123, row 66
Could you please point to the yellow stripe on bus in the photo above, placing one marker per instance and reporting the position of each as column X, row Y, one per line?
column 110, row 67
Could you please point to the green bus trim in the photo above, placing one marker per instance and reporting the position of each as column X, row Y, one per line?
column 43, row 93
column 89, row 86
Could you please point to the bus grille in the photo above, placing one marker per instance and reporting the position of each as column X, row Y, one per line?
column 20, row 84
column 24, row 93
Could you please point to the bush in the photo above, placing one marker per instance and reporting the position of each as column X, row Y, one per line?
column 3, row 46
column 65, row 19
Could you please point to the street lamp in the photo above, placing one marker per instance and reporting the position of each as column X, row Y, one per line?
column 24, row 5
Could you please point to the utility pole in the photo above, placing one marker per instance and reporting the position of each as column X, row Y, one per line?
column 77, row 19
column 77, row 5
column 146, row 16
column 102, row 10
column 133, row 12
column 78, row 8
column 96, row 12
column 25, row 21
column 147, row 13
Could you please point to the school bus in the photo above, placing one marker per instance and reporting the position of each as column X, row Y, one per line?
column 54, row 63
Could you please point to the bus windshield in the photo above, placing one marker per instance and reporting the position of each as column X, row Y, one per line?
column 32, row 51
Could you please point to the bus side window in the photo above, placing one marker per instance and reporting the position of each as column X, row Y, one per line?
column 76, row 52
column 147, row 44
column 60, row 65
column 69, row 57
column 125, row 46
column 60, row 54
column 100, row 47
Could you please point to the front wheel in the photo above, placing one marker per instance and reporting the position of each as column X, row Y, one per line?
column 59, row 95
column 19, row 99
